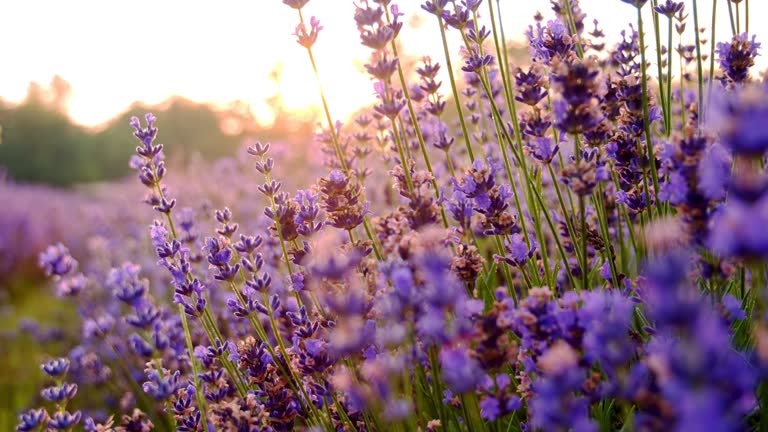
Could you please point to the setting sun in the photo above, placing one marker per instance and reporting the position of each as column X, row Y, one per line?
column 113, row 55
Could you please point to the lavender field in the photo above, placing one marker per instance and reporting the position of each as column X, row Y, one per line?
column 571, row 239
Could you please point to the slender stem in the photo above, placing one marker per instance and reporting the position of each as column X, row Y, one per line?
column 417, row 127
column 502, row 130
column 646, row 99
column 512, row 106
column 572, row 26
column 738, row 19
column 583, row 221
column 746, row 17
column 683, row 117
column 662, row 92
column 698, row 56
column 335, row 138
column 505, row 269
column 404, row 162
column 505, row 135
column 501, row 53
column 730, row 15
column 627, row 220
column 279, row 229
column 602, row 218
column 195, row 378
column 454, row 89
column 187, row 334
column 568, row 222
column 668, row 103
column 326, row 110
column 712, row 49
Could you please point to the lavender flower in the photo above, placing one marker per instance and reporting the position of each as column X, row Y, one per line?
column 737, row 57
column 461, row 372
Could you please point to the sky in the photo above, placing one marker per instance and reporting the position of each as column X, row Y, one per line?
column 114, row 53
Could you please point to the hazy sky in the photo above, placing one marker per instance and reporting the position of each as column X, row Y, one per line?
column 114, row 52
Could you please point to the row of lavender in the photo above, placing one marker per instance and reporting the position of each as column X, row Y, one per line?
column 577, row 244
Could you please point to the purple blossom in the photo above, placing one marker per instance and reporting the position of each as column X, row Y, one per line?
column 307, row 38
column 735, row 58
column 461, row 372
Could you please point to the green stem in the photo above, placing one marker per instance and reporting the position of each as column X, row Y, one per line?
column 730, row 15
column 404, row 161
column 646, row 120
column 712, row 49
column 668, row 103
column 657, row 37
column 746, row 18
column 568, row 221
column 195, row 379
column 501, row 130
column 602, row 219
column 572, row 26
column 337, row 147
column 505, row 269
column 454, row 89
column 583, row 220
column 698, row 56
column 416, row 127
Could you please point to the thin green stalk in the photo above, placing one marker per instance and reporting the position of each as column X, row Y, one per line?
column 668, row 103
column 746, row 18
column 568, row 222
column 712, row 49
column 657, row 36
column 404, row 162
column 454, row 89
column 512, row 106
column 602, row 219
column 279, row 229
column 698, row 55
column 543, row 241
column 583, row 220
column 730, row 15
column 683, row 116
column 625, row 214
column 284, row 352
column 536, row 194
column 738, row 19
column 195, row 379
column 501, row 130
column 337, row 147
column 560, row 159
column 620, row 236
column 556, row 236
column 505, row 269
column 572, row 26
column 213, row 335
column 187, row 334
column 504, row 45
column 501, row 54
column 434, row 365
column 646, row 120
column 416, row 126
column 404, row 138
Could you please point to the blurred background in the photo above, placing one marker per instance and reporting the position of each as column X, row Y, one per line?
column 215, row 76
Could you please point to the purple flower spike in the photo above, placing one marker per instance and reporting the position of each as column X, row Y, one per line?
column 461, row 372
column 56, row 261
